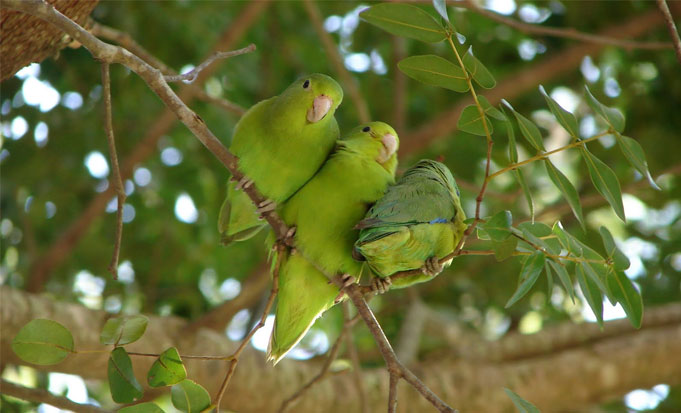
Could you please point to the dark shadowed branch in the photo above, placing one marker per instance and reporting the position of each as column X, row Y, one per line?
column 43, row 396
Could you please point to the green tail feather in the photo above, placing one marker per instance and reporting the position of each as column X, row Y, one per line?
column 304, row 295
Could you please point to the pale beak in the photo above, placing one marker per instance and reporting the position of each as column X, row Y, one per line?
column 389, row 142
column 320, row 107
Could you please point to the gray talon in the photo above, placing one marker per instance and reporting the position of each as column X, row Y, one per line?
column 266, row 206
column 243, row 183
column 380, row 285
column 432, row 267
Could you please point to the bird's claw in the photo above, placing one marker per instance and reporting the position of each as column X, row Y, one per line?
column 266, row 206
column 432, row 267
column 346, row 280
column 243, row 183
column 380, row 285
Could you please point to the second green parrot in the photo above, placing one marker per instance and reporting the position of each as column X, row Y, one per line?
column 418, row 221
column 280, row 142
column 324, row 213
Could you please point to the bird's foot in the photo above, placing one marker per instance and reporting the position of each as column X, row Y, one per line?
column 432, row 267
column 380, row 285
column 243, row 183
column 287, row 240
column 346, row 280
column 266, row 206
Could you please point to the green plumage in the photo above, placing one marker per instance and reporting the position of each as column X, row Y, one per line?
column 417, row 218
column 325, row 212
column 280, row 142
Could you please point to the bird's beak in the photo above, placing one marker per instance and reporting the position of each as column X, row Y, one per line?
column 320, row 107
column 389, row 142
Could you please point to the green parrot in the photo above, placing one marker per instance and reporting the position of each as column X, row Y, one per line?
column 324, row 213
column 418, row 221
column 280, row 142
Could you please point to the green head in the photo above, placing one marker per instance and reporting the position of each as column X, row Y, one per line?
column 376, row 140
column 437, row 171
column 311, row 99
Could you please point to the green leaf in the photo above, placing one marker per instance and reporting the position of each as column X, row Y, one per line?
column 634, row 153
column 566, row 119
column 624, row 292
column 526, row 191
column 521, row 404
column 435, row 71
column 167, row 369
column 592, row 294
column 549, row 277
column 612, row 116
column 490, row 110
column 471, row 121
column 541, row 234
column 512, row 146
column 567, row 241
column 597, row 273
column 189, row 396
column 124, row 386
column 441, row 9
column 404, row 20
column 478, row 71
column 605, row 181
column 567, row 189
column 530, row 131
column 142, row 408
column 499, row 226
column 620, row 261
column 123, row 330
column 528, row 276
column 564, row 278
column 43, row 342
column 504, row 249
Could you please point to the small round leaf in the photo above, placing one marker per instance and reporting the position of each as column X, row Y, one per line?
column 43, row 342
column 167, row 369
column 142, row 408
column 123, row 330
column 189, row 396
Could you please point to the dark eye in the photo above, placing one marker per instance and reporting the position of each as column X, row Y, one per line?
column 366, row 129
column 306, row 84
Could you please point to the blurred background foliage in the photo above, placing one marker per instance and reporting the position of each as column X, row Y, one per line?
column 54, row 161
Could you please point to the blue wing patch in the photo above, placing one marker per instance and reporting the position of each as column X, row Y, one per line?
column 438, row 221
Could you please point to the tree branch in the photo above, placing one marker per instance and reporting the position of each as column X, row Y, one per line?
column 192, row 74
column 673, row 32
column 44, row 396
column 59, row 250
column 125, row 40
column 630, row 359
column 564, row 33
column 116, row 180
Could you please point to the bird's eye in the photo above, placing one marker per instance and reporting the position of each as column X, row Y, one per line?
column 366, row 129
column 306, row 84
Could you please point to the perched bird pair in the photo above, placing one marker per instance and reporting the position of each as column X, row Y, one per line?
column 325, row 192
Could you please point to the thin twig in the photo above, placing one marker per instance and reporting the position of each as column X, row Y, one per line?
column 235, row 356
column 116, row 180
column 336, row 59
column 673, row 32
column 125, row 40
column 564, row 33
column 395, row 368
column 191, row 75
column 356, row 367
column 43, row 396
column 324, row 372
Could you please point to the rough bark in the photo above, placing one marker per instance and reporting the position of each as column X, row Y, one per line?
column 25, row 39
column 593, row 371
